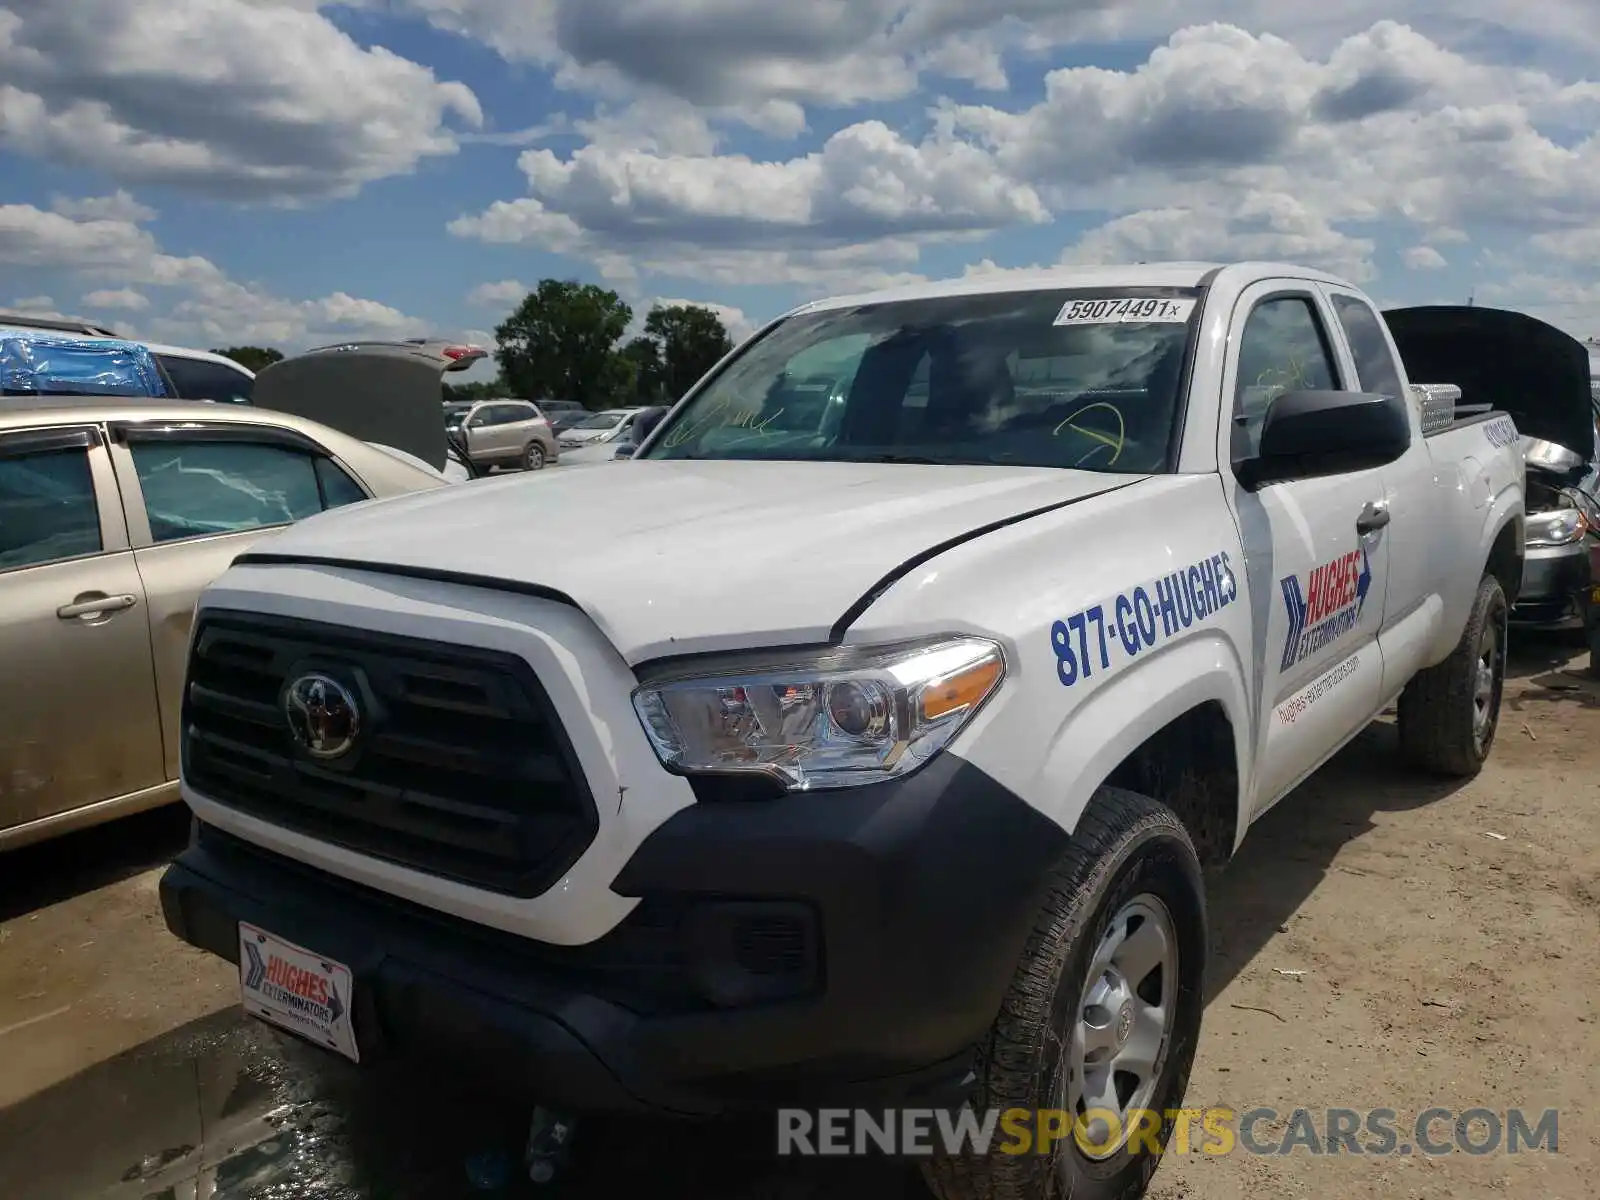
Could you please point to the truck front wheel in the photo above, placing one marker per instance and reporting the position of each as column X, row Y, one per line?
column 1097, row 1032
column 1449, row 713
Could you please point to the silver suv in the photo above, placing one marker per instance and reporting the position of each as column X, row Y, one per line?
column 503, row 433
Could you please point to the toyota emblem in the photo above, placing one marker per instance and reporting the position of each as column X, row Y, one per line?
column 322, row 715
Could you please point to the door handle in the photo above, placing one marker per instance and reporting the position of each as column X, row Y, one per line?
column 91, row 604
column 1373, row 517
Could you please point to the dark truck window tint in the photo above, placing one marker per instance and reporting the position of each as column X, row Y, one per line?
column 1048, row 378
column 192, row 489
column 1282, row 349
column 197, row 379
column 1374, row 363
column 47, row 508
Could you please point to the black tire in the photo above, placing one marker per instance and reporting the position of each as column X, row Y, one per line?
column 1438, row 718
column 533, row 457
column 1125, row 846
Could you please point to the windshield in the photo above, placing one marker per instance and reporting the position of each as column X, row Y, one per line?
column 1035, row 378
column 599, row 421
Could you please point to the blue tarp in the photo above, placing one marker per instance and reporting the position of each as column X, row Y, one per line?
column 43, row 364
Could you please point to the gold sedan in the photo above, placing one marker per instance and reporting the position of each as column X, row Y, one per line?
column 114, row 513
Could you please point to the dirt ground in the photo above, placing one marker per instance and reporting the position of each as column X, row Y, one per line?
column 1381, row 942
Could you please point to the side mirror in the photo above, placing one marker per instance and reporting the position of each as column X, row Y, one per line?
column 1314, row 433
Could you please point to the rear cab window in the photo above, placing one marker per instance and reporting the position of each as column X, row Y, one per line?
column 1363, row 329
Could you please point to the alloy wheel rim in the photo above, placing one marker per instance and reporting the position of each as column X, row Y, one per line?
column 1117, row 1038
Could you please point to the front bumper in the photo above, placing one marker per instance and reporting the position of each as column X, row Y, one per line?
column 894, row 918
column 1555, row 584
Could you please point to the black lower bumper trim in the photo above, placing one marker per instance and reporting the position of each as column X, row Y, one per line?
column 921, row 894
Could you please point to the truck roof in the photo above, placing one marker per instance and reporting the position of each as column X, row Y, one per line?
column 1158, row 274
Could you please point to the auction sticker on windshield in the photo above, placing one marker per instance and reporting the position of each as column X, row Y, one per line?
column 297, row 990
column 1113, row 310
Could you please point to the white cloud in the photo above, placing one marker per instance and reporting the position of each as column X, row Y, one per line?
column 200, row 304
column 734, row 320
column 232, row 97
column 120, row 206
column 1424, row 258
column 124, row 298
column 34, row 304
column 500, row 294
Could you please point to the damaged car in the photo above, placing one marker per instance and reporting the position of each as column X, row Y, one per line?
column 1549, row 382
column 119, row 504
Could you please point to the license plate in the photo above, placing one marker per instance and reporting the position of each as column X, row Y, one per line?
column 297, row 989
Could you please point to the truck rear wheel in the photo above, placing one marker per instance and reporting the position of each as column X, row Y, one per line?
column 1101, row 1020
column 1449, row 713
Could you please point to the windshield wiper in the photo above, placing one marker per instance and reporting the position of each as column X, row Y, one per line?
column 921, row 460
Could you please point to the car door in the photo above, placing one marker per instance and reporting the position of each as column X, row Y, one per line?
column 518, row 427
column 1413, row 609
column 78, row 713
column 486, row 432
column 1316, row 582
column 197, row 497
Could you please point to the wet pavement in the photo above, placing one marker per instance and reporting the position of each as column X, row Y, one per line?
column 127, row 1072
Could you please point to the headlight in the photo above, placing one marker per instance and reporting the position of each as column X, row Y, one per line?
column 840, row 719
column 1559, row 528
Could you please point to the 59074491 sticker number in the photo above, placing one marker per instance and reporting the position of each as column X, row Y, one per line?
column 1104, row 636
column 1111, row 310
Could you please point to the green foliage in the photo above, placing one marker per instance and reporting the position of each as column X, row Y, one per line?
column 563, row 343
column 252, row 358
column 689, row 341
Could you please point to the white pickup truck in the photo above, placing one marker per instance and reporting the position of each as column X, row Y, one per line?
column 870, row 755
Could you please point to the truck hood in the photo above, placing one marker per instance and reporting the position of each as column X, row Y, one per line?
column 677, row 557
column 1509, row 360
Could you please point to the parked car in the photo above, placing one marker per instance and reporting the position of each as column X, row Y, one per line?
column 1545, row 379
column 567, row 418
column 842, row 759
column 115, row 510
column 594, row 439
column 186, row 374
column 504, row 433
column 560, row 409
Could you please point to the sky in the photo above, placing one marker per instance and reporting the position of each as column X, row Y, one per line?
column 291, row 173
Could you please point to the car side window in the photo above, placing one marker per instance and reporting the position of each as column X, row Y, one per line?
column 196, row 379
column 197, row 488
column 1375, row 363
column 47, row 508
column 338, row 489
column 1282, row 348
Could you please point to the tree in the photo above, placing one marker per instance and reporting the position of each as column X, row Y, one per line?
column 689, row 341
column 252, row 358
column 492, row 389
column 561, row 344
column 649, row 382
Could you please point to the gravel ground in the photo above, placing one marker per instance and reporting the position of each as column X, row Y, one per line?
column 1381, row 942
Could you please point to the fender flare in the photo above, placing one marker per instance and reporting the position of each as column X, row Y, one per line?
column 1127, row 710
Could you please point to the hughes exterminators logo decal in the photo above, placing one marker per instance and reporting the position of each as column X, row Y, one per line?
column 1327, row 606
column 296, row 989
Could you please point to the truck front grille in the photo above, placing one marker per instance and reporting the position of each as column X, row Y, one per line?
column 460, row 768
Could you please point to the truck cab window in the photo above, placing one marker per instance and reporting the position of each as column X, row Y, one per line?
column 1374, row 362
column 1281, row 349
